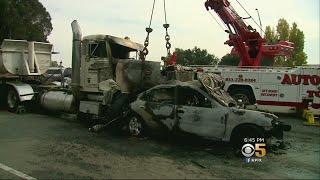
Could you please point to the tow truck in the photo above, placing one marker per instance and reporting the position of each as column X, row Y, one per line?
column 271, row 89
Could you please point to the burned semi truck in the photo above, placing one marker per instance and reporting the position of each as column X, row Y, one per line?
column 105, row 69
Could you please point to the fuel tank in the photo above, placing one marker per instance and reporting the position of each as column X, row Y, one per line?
column 58, row 101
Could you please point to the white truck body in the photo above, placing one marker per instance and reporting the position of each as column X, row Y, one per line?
column 277, row 90
column 20, row 57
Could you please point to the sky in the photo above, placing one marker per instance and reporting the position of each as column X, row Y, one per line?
column 190, row 23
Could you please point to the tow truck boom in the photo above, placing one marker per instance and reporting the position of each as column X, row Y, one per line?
column 246, row 41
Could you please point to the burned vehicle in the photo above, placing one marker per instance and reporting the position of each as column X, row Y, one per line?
column 54, row 73
column 200, row 108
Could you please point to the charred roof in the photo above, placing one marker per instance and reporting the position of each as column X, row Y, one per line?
column 126, row 42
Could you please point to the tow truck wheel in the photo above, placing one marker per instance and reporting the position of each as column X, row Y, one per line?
column 135, row 126
column 244, row 95
column 13, row 100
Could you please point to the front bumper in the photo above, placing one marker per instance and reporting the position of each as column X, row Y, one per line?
column 277, row 130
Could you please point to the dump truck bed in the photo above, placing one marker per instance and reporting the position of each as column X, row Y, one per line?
column 16, row 55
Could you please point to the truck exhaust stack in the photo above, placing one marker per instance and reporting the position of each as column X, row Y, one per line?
column 76, row 54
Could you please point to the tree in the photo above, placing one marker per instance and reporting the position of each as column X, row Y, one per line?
column 233, row 60
column 229, row 60
column 283, row 29
column 195, row 56
column 270, row 35
column 21, row 19
column 286, row 33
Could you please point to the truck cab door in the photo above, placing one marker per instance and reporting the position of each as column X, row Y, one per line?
column 199, row 115
column 95, row 65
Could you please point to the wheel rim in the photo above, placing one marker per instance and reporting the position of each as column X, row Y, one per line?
column 12, row 99
column 135, row 126
column 244, row 98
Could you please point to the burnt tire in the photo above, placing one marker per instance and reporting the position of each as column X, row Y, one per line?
column 13, row 100
column 242, row 132
column 135, row 126
column 246, row 95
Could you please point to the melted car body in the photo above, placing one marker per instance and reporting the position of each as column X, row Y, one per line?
column 201, row 109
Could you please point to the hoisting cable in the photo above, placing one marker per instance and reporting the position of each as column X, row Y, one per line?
column 166, row 26
column 217, row 21
column 145, row 50
column 250, row 16
column 149, row 30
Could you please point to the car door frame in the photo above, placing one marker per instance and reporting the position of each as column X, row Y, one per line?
column 216, row 128
column 152, row 106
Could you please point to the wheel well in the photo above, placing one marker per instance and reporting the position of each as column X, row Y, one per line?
column 247, row 88
column 240, row 127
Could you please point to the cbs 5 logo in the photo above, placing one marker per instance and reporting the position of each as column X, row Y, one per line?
column 248, row 150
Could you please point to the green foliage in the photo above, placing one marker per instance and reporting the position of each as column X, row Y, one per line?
column 195, row 56
column 270, row 35
column 229, row 60
column 21, row 19
column 233, row 60
column 292, row 34
column 283, row 29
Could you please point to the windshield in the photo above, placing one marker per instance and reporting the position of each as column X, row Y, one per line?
column 121, row 52
column 98, row 50
column 214, row 84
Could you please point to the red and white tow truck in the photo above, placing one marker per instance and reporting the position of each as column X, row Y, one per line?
column 278, row 90
column 273, row 89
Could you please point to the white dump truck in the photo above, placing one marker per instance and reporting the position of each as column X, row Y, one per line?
column 105, row 70
column 21, row 65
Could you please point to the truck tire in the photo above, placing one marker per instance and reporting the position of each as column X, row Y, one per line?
column 242, row 132
column 13, row 100
column 244, row 94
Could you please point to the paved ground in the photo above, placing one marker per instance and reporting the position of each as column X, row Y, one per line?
column 48, row 147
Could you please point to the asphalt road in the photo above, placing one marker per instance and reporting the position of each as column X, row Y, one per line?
column 45, row 147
